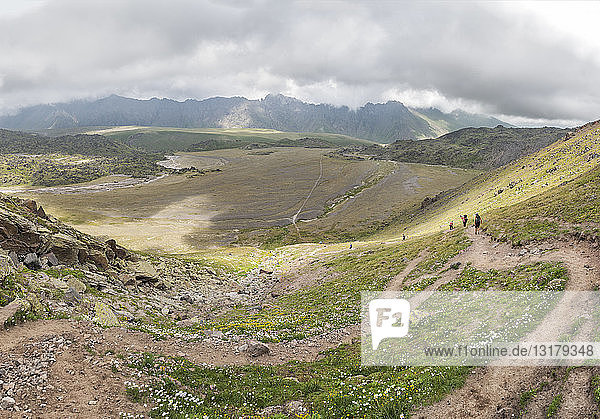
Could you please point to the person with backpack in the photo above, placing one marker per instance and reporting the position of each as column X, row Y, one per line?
column 465, row 220
column 477, row 223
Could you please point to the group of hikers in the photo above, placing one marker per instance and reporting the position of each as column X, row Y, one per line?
column 465, row 220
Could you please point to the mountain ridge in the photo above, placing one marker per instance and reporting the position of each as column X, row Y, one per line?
column 381, row 122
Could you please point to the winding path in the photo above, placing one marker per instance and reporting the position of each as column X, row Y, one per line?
column 295, row 216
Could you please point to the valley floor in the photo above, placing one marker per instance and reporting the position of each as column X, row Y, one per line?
column 69, row 368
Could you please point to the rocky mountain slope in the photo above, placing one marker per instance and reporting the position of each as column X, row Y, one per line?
column 379, row 122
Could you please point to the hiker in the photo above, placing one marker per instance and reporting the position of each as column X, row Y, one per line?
column 403, row 237
column 465, row 220
column 477, row 223
column 451, row 225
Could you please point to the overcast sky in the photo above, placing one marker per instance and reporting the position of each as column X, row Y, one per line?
column 527, row 63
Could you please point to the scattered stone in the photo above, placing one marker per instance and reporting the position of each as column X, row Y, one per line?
column 187, row 299
column 455, row 265
column 555, row 283
column 295, row 407
column 188, row 322
column 165, row 311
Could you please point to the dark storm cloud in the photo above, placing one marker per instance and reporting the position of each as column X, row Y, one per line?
column 486, row 57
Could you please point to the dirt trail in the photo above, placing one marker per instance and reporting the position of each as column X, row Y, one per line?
column 85, row 369
column 396, row 283
column 495, row 391
column 295, row 216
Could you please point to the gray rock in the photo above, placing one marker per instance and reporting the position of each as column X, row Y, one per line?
column 256, row 349
column 32, row 261
column 14, row 257
column 99, row 259
column 75, row 283
column 7, row 402
column 52, row 259
column 6, row 265
column 187, row 299
column 72, row 297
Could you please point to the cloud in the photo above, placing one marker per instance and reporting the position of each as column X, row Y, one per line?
column 516, row 60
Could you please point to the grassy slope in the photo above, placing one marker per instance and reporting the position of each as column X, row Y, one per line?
column 517, row 182
column 572, row 207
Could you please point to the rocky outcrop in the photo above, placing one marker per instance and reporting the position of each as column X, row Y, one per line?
column 38, row 240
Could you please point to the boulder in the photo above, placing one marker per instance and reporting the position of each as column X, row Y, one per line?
column 105, row 317
column 18, row 233
column 31, row 205
column 127, row 279
column 58, row 283
column 145, row 271
column 255, row 349
column 32, row 261
column 99, row 259
column 75, row 283
column 41, row 213
column 65, row 248
column 52, row 259
column 8, row 312
column 7, row 266
column 7, row 402
column 72, row 297
column 14, row 257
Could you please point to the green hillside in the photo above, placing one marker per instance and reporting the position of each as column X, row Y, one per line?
column 470, row 148
column 167, row 139
column 30, row 159
column 531, row 176
column 572, row 208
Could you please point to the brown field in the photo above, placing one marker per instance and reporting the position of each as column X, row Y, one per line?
column 253, row 196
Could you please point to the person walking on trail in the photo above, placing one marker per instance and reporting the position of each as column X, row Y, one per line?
column 465, row 220
column 451, row 225
column 477, row 223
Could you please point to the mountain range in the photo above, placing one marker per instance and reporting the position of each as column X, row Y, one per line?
column 381, row 122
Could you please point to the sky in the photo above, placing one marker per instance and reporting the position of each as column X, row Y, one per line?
column 527, row 63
